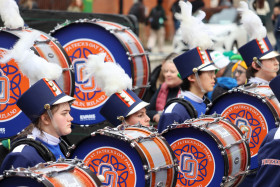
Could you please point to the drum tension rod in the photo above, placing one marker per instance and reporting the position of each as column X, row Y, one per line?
column 141, row 138
column 136, row 54
column 55, row 173
column 47, row 41
column 235, row 143
column 159, row 168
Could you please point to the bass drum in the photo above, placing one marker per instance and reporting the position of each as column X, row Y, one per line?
column 252, row 106
column 62, row 173
column 13, row 83
column 136, row 156
column 121, row 45
column 211, row 152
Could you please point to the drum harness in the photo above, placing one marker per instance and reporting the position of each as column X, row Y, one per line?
column 43, row 151
column 188, row 106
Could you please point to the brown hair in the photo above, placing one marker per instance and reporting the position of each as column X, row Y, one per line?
column 37, row 123
column 250, row 72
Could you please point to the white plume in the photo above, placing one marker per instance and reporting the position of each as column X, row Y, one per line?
column 30, row 64
column 109, row 76
column 194, row 31
column 10, row 14
column 251, row 22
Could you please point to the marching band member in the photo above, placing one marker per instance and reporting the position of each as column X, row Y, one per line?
column 259, row 57
column 48, row 108
column 258, row 53
column 44, row 103
column 123, row 105
column 268, row 154
column 196, row 69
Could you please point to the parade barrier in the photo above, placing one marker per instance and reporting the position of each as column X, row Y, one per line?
column 252, row 108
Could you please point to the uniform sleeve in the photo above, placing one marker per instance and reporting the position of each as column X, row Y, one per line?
column 27, row 158
column 173, row 113
column 269, row 162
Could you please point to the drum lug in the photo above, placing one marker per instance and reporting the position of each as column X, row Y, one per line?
column 159, row 168
column 71, row 68
column 132, row 144
column 42, row 42
column 135, row 54
column 145, row 167
column 159, row 184
column 147, row 177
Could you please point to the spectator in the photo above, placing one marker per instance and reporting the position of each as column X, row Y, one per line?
column 28, row 4
column 138, row 9
column 223, row 83
column 239, row 70
column 169, row 89
column 175, row 8
column 276, row 22
column 262, row 9
column 156, row 80
column 76, row 6
column 156, row 19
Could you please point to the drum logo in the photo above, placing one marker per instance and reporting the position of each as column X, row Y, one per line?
column 196, row 162
column 113, row 164
column 4, row 88
column 188, row 166
column 251, row 120
column 12, row 85
column 87, row 93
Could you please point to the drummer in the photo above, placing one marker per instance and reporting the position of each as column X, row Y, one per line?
column 261, row 61
column 123, row 106
column 268, row 154
column 126, row 108
column 48, row 108
column 258, row 53
column 198, row 77
column 196, row 69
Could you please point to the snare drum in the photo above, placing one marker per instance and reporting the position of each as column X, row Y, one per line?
column 63, row 173
column 121, row 45
column 14, row 83
column 135, row 156
column 253, row 106
column 211, row 152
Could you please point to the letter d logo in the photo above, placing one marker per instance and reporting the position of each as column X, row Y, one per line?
column 4, row 88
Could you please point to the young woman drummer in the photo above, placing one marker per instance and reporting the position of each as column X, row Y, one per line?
column 48, row 108
column 123, row 106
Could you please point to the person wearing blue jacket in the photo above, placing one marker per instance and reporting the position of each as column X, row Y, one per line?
column 48, row 108
column 268, row 155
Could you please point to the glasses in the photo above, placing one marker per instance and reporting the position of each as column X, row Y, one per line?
column 239, row 72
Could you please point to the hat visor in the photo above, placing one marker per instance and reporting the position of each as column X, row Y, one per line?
column 64, row 99
column 138, row 107
column 269, row 55
column 207, row 67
